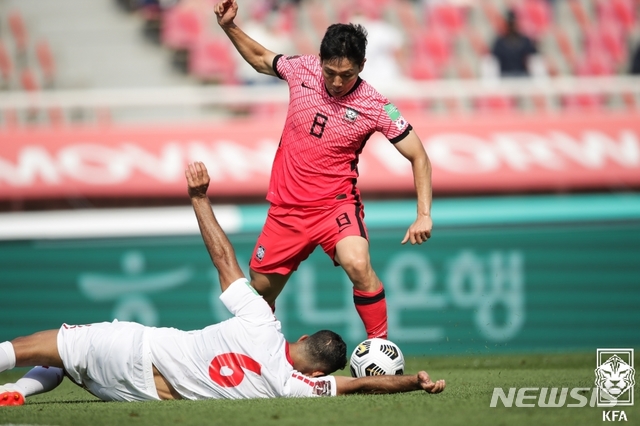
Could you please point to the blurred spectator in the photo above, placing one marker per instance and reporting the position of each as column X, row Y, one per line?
column 513, row 50
column 634, row 67
column 384, row 51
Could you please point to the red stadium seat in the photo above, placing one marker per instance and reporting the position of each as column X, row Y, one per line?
column 407, row 16
column 46, row 62
column 564, row 45
column 580, row 14
column 435, row 44
column 448, row 17
column 493, row 15
column 182, row 27
column 607, row 39
column 479, row 45
column 318, row 17
column 28, row 80
column 617, row 12
column 422, row 68
column 18, row 30
column 581, row 102
column 211, row 60
column 6, row 66
column 534, row 17
column 596, row 62
column 495, row 104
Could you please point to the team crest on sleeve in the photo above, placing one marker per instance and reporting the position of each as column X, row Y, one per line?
column 322, row 388
column 395, row 116
column 350, row 115
column 260, row 253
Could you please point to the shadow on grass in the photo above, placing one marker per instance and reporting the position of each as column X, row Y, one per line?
column 75, row 401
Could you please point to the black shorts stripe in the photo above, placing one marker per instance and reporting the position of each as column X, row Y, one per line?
column 360, row 300
column 363, row 232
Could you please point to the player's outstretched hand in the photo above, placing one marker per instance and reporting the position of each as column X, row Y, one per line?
column 197, row 179
column 226, row 11
column 419, row 231
column 430, row 387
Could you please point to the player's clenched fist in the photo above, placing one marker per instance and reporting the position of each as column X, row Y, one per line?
column 197, row 179
column 226, row 11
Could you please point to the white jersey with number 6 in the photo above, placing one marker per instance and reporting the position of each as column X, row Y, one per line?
column 246, row 356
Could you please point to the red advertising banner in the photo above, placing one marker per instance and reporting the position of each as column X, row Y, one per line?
column 488, row 154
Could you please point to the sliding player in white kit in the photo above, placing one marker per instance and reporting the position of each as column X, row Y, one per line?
column 246, row 356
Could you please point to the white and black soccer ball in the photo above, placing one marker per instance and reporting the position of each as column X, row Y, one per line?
column 376, row 357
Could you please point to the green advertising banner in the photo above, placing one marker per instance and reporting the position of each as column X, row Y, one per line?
column 499, row 274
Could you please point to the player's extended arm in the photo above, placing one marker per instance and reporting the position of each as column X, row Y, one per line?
column 220, row 249
column 260, row 58
column 412, row 149
column 388, row 384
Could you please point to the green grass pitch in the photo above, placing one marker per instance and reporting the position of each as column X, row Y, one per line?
column 470, row 384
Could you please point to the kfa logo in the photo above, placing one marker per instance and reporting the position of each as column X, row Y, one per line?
column 260, row 253
column 615, row 377
column 351, row 115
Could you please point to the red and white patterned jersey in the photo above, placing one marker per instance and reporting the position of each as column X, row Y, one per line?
column 243, row 357
column 317, row 159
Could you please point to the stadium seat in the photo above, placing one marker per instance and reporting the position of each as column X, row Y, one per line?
column 620, row 13
column 564, row 45
column 493, row 15
column 46, row 63
column 28, row 80
column 608, row 39
column 211, row 60
column 435, row 44
column 422, row 68
column 318, row 17
column 407, row 16
column 182, row 28
column 478, row 44
column 18, row 30
column 287, row 18
column 495, row 104
column 534, row 17
column 449, row 18
column 580, row 15
column 6, row 67
column 596, row 62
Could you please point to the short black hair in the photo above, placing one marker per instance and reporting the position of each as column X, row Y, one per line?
column 344, row 41
column 327, row 351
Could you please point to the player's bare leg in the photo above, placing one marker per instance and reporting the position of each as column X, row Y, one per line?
column 268, row 285
column 352, row 253
column 35, row 350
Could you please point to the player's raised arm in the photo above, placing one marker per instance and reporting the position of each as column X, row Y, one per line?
column 259, row 57
column 412, row 149
column 220, row 249
column 388, row 384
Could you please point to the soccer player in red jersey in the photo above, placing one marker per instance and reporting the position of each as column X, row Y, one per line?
column 312, row 191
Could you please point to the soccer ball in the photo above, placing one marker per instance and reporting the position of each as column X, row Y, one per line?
column 376, row 357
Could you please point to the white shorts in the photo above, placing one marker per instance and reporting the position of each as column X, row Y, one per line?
column 112, row 360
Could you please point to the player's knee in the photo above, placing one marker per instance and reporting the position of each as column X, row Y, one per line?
column 357, row 267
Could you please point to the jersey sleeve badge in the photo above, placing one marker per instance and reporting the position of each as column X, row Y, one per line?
column 395, row 116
